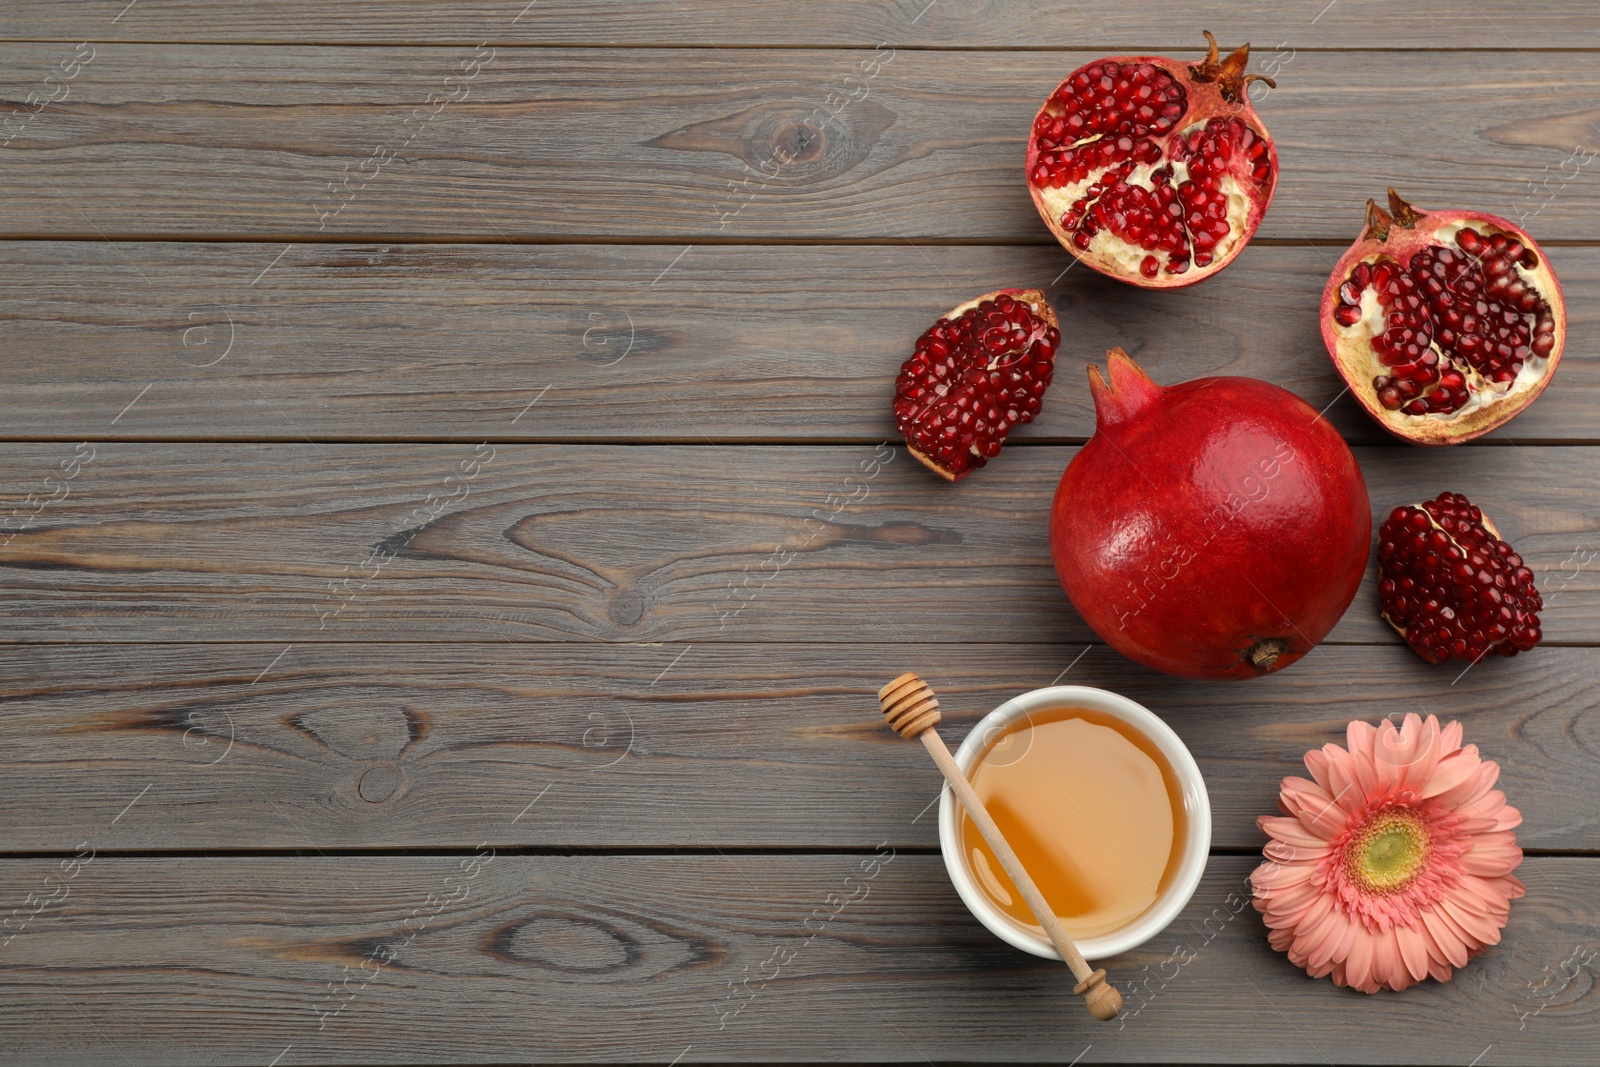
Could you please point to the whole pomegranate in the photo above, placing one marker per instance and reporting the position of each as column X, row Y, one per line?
column 1151, row 170
column 1445, row 325
column 1215, row 529
column 1451, row 585
column 981, row 369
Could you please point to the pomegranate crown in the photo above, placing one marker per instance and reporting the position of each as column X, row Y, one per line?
column 1228, row 74
column 1400, row 214
column 1129, row 392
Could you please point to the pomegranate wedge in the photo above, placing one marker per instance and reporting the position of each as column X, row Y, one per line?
column 977, row 372
column 1451, row 585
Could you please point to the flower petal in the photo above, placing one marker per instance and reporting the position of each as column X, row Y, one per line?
column 1508, row 818
column 1492, row 893
column 1413, row 950
column 1450, row 737
column 1466, row 900
column 1492, row 854
column 1391, row 964
column 1407, row 757
column 1474, row 787
column 1313, row 925
column 1358, row 965
column 1480, row 928
column 1314, row 806
column 1290, row 831
column 1282, row 853
column 1317, row 763
column 1342, row 783
column 1295, row 899
column 1444, row 937
column 1457, row 767
column 1274, row 877
column 1469, row 943
column 1323, row 949
column 1361, row 736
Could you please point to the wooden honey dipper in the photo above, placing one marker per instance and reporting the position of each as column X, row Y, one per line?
column 913, row 711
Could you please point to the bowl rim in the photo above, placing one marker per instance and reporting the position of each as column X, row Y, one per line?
column 1197, row 806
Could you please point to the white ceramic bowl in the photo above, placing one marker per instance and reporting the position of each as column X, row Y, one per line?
column 1196, row 844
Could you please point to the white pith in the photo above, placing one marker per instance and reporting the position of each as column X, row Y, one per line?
column 1062, row 197
column 1354, row 342
column 1106, row 247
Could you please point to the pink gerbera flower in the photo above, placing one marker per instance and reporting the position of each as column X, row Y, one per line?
column 1395, row 863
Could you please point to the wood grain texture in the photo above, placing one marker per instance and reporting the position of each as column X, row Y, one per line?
column 608, row 959
column 250, row 341
column 177, row 140
column 906, row 23
column 307, row 542
column 672, row 746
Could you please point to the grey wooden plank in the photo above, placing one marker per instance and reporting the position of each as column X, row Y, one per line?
column 292, row 141
column 743, row 343
column 672, row 746
column 311, row 542
column 611, row 959
column 905, row 23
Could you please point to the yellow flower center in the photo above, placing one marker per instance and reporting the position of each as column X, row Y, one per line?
column 1387, row 855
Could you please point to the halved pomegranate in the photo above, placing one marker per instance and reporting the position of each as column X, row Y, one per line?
column 977, row 372
column 1151, row 170
column 1450, row 584
column 1445, row 325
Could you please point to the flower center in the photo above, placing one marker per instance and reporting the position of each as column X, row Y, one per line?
column 1387, row 855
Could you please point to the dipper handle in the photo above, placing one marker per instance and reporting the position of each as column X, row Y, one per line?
column 913, row 711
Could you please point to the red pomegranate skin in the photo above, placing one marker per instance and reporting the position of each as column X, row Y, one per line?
column 1215, row 529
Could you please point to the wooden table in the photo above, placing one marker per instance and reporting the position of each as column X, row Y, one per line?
column 410, row 411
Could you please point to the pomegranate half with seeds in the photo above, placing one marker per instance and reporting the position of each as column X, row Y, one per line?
column 1217, row 528
column 1451, row 585
column 1151, row 170
column 1445, row 325
column 981, row 369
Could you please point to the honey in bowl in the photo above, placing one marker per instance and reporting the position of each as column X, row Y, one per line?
column 1092, row 809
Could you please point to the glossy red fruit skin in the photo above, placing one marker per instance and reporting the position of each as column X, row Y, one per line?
column 1400, row 242
column 1218, row 528
column 1207, row 99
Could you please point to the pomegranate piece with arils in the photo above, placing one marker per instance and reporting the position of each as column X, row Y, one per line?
column 1151, row 170
column 1451, row 586
column 1445, row 325
column 977, row 372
